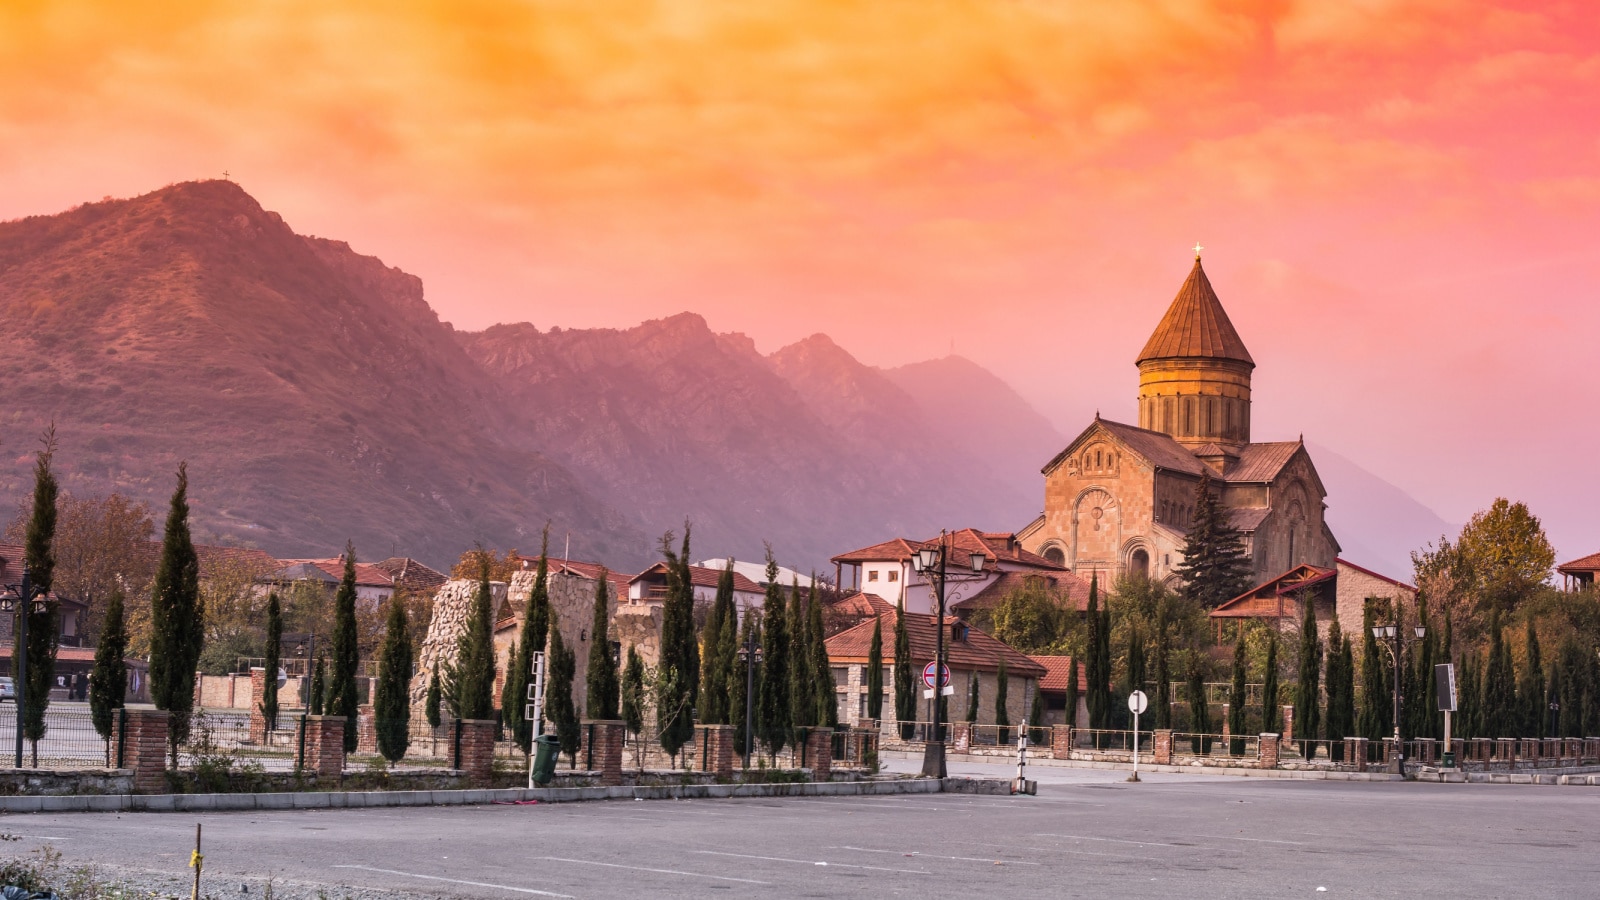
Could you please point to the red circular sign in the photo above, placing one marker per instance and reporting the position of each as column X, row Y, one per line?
column 927, row 675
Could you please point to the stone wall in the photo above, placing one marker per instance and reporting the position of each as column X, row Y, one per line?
column 451, row 605
column 1354, row 587
column 572, row 608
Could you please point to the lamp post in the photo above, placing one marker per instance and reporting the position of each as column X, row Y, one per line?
column 20, row 598
column 1392, row 638
column 933, row 564
column 750, row 655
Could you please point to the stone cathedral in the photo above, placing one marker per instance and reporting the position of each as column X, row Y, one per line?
column 1120, row 497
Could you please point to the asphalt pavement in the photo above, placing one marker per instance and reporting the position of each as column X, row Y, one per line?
column 1088, row 833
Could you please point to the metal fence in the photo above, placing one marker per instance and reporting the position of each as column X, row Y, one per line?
column 69, row 741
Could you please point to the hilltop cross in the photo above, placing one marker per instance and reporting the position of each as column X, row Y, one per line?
column 1197, row 249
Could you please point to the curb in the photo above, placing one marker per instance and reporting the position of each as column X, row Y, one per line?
column 1234, row 771
column 367, row 799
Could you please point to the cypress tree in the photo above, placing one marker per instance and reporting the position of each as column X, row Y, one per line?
column 827, row 714
column 713, row 707
column 319, row 689
column 269, row 689
column 1271, row 713
column 512, row 689
column 603, row 696
column 558, row 693
column 1236, row 700
column 43, row 618
column 1499, row 689
column 1002, row 716
column 773, row 709
column 1307, row 708
column 430, row 708
column 1215, row 566
column 177, row 618
column 1107, row 703
column 1098, row 711
column 108, row 686
column 738, row 683
column 1425, row 720
column 1136, row 660
column 1568, row 691
column 633, row 695
column 342, row 697
column 1468, row 714
column 729, row 677
column 473, row 684
column 1163, row 685
column 391, row 701
column 1036, row 718
column 1337, row 729
column 680, row 652
column 1374, row 722
column 531, row 639
column 875, row 672
column 1530, row 695
column 1072, row 695
column 802, row 674
column 1199, row 709
column 905, row 700
column 972, row 698
column 1347, row 665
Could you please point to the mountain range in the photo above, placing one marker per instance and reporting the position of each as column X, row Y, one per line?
column 317, row 397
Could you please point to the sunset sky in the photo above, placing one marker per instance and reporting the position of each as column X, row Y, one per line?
column 1400, row 200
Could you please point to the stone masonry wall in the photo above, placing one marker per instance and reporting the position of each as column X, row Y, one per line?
column 451, row 606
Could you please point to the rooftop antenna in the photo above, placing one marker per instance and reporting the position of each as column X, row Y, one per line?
column 566, row 553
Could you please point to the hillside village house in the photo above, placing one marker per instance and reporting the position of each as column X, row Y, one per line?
column 967, row 650
column 75, row 656
column 1341, row 591
column 1580, row 574
column 1058, row 670
column 374, row 586
column 650, row 587
column 885, row 570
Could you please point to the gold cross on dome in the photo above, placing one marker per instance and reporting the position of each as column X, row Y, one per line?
column 1197, row 249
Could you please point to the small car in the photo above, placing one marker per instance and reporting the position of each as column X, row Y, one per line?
column 8, row 689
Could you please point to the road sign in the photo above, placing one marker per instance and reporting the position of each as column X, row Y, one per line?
column 927, row 675
column 283, row 677
column 1445, row 679
column 1138, row 702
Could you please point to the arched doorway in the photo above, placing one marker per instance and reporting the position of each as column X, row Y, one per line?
column 1055, row 556
column 1139, row 563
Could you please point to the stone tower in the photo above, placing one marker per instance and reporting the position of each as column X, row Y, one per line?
column 1194, row 374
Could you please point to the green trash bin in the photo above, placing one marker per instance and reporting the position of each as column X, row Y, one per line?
column 546, row 748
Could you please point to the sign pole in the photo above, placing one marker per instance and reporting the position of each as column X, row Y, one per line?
column 1136, row 705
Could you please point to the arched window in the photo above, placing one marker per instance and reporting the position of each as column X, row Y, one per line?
column 1055, row 556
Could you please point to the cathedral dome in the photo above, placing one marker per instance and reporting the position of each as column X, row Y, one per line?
column 1196, row 326
column 1194, row 372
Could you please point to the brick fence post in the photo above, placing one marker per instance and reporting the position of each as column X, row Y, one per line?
column 141, row 745
column 819, row 753
column 477, row 748
column 1163, row 746
column 1268, row 757
column 1288, row 725
column 961, row 737
column 324, row 745
column 1061, row 742
column 603, row 740
column 1355, row 752
column 258, row 690
column 716, row 750
column 366, row 730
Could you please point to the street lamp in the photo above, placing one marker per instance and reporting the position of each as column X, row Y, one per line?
column 933, row 563
column 750, row 656
column 1392, row 638
column 20, row 599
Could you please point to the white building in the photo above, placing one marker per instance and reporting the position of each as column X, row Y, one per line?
column 886, row 569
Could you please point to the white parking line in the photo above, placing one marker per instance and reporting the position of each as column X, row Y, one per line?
column 813, row 862
column 920, row 855
column 590, row 862
column 503, row 887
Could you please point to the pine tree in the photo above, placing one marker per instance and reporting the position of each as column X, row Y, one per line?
column 319, row 689
column 802, row 680
column 1375, row 714
column 269, row 688
column 713, row 707
column 391, row 700
column 633, row 695
column 1215, row 566
column 177, row 619
column 972, row 698
column 1307, row 708
column 1098, row 708
column 563, row 667
column 108, row 686
column 1530, row 694
column 603, row 689
column 905, row 701
column 342, row 697
column 680, row 653
column 1199, row 709
column 1271, row 713
column 827, row 714
column 430, row 707
column 1236, row 700
column 473, row 683
column 774, row 724
column 43, row 618
column 875, row 672
column 1163, row 685
column 531, row 639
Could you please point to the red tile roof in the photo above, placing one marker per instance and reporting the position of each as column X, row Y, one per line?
column 703, row 577
column 979, row 652
column 367, row 574
column 1267, row 598
column 1583, row 564
column 859, row 604
column 1196, row 325
column 1057, row 670
column 996, row 546
column 1069, row 586
column 410, row 574
column 617, row 580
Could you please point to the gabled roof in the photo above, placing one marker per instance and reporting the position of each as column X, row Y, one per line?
column 410, row 574
column 702, row 577
column 1347, row 564
column 1261, row 462
column 1196, row 326
column 589, row 570
column 1248, row 518
column 1057, row 670
column 1071, row 588
column 979, row 652
column 1266, row 599
column 860, row 605
column 996, row 546
column 367, row 574
column 1583, row 564
column 1155, row 447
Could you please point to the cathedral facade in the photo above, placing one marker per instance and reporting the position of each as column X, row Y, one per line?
column 1119, row 499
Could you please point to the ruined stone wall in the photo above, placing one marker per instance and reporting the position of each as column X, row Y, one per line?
column 572, row 607
column 451, row 606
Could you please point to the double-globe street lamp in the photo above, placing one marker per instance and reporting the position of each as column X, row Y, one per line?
column 933, row 563
column 1393, row 638
column 20, row 598
column 750, row 656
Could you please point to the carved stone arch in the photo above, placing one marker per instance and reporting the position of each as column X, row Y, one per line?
column 1138, row 558
column 1054, row 552
column 1096, row 528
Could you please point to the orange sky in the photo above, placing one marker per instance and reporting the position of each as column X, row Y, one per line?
column 1400, row 199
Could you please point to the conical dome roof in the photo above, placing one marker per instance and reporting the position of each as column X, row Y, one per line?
column 1196, row 326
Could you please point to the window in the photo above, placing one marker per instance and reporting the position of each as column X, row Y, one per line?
column 872, row 574
column 842, row 703
column 861, row 707
column 841, row 676
column 894, row 574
